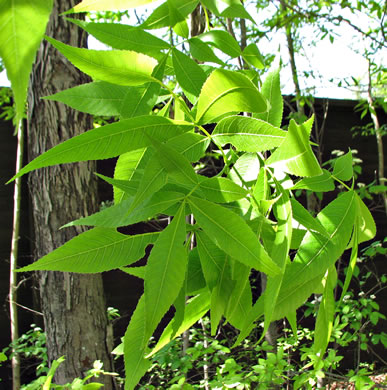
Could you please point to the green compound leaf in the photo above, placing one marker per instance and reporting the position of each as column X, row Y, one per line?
column 118, row 215
column 212, row 259
column 141, row 100
column 97, row 98
column 320, row 183
column 113, row 66
column 161, row 16
column 165, row 270
column 124, row 37
column 175, row 164
column 252, row 55
column 136, row 340
column 202, row 52
column 129, row 168
column 279, row 251
column 342, row 168
column 194, row 310
column 108, row 141
column 22, row 26
column 231, row 234
column 96, row 250
column 225, row 91
column 326, row 313
column 189, row 74
column 314, row 257
column 248, row 134
column 220, row 190
column 294, row 155
column 223, row 41
column 271, row 90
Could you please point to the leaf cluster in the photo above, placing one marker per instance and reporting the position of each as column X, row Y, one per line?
column 221, row 227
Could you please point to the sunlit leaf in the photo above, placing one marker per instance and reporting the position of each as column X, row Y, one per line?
column 224, row 92
column 107, row 5
column 128, row 168
column 252, row 55
column 223, row 41
column 326, row 312
column 113, row 66
column 118, row 215
column 136, row 340
column 202, row 52
column 95, row 250
column 294, row 155
column 189, row 74
column 22, row 26
column 161, row 17
column 248, row 134
column 108, row 141
column 220, row 190
column 97, row 98
column 271, row 90
column 124, row 37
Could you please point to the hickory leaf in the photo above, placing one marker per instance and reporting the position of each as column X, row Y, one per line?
column 165, row 270
column 231, row 234
column 22, row 26
column 248, row 134
column 271, row 90
column 294, row 155
column 113, row 66
column 108, row 141
column 96, row 250
column 188, row 73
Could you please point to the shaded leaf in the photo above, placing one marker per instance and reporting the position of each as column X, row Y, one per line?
column 231, row 233
column 165, row 271
column 195, row 309
column 220, row 190
column 342, row 168
column 320, row 183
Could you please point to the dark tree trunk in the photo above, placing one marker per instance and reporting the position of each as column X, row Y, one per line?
column 73, row 305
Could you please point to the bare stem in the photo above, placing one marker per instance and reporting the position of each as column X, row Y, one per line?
column 15, row 361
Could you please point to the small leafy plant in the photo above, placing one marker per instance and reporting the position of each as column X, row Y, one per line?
column 224, row 222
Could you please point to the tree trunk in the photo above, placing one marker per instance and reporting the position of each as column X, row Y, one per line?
column 73, row 305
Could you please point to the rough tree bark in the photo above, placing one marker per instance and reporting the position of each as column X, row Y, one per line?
column 73, row 305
